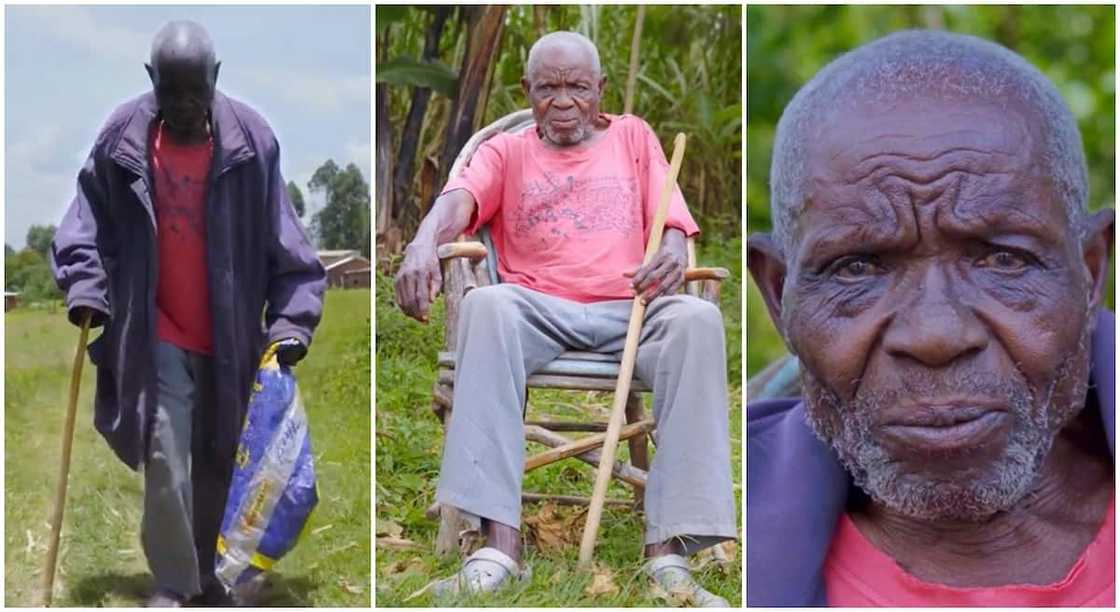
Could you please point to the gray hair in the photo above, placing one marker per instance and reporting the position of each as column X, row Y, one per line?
column 904, row 63
column 563, row 38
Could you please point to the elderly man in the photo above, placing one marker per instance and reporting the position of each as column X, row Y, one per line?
column 935, row 270
column 569, row 203
column 181, row 235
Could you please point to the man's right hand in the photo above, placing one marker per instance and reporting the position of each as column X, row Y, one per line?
column 418, row 281
column 78, row 313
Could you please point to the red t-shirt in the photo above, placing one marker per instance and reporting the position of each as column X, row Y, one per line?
column 181, row 173
column 569, row 221
column 859, row 575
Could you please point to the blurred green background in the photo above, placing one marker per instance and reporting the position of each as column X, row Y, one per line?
column 786, row 45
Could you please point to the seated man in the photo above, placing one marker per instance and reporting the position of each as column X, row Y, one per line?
column 569, row 203
column 935, row 270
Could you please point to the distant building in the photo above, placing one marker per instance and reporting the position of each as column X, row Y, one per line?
column 346, row 269
column 11, row 300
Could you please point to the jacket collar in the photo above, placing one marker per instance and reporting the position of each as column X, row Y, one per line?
column 233, row 147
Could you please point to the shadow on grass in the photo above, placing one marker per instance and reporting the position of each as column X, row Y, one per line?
column 132, row 589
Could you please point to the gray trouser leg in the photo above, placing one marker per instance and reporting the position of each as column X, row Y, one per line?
column 506, row 332
column 681, row 356
column 167, row 530
column 185, row 486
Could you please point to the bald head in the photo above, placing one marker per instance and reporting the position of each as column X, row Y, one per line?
column 914, row 67
column 184, row 74
column 564, row 42
column 183, row 41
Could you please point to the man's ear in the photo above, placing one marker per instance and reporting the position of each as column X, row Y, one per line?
column 602, row 85
column 151, row 73
column 525, row 86
column 768, row 269
column 1096, row 251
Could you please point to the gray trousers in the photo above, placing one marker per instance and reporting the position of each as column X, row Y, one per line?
column 185, row 484
column 506, row 332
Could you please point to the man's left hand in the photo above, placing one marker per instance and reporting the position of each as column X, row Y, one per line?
column 664, row 274
column 289, row 351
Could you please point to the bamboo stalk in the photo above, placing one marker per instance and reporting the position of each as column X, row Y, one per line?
column 632, row 76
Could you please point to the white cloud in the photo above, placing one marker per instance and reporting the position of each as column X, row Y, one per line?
column 38, row 188
column 77, row 25
column 360, row 154
column 322, row 93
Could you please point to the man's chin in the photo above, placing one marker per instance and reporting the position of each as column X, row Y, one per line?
column 973, row 493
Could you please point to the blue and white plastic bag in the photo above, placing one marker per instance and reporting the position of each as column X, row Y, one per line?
column 273, row 490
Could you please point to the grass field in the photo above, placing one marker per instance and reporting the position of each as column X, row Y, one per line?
column 101, row 562
column 408, row 446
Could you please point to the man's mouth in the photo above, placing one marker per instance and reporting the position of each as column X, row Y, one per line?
column 564, row 124
column 945, row 428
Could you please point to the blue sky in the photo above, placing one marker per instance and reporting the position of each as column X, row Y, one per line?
column 305, row 68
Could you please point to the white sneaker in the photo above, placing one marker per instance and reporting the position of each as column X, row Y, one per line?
column 486, row 571
column 673, row 582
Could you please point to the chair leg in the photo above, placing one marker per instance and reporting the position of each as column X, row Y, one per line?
column 639, row 450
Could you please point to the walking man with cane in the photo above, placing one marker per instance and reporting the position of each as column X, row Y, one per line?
column 180, row 236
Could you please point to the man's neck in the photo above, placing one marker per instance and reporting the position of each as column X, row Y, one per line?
column 190, row 137
column 1036, row 542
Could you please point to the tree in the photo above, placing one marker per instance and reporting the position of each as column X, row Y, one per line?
column 296, row 196
column 39, row 239
column 343, row 223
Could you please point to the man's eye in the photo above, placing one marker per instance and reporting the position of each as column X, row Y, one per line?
column 1003, row 260
column 856, row 268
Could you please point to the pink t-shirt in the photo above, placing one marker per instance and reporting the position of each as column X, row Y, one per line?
column 569, row 221
column 859, row 575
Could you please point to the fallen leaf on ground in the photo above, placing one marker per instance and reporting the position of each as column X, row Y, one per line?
column 554, row 529
column 389, row 528
column 405, row 566
column 396, row 543
column 350, row 588
column 721, row 556
column 319, row 530
column 602, row 583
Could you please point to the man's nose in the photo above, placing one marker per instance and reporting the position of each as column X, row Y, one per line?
column 935, row 329
column 563, row 99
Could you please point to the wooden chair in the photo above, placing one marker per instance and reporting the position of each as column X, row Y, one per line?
column 467, row 265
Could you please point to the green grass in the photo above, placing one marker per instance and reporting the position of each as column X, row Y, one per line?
column 408, row 447
column 101, row 561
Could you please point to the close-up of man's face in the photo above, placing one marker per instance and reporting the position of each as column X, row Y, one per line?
column 564, row 90
column 940, row 295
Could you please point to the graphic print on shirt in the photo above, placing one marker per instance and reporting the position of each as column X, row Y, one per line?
column 562, row 208
column 174, row 214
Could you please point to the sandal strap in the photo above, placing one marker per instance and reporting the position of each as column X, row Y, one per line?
column 493, row 555
column 661, row 562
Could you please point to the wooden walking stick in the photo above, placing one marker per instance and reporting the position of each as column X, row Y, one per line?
column 64, row 469
column 626, row 369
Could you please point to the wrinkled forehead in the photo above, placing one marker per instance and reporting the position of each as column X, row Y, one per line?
column 562, row 56
column 966, row 156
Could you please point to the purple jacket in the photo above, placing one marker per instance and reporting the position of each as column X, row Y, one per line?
column 797, row 489
column 260, row 262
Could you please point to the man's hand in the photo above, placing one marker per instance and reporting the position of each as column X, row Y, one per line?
column 78, row 313
column 664, row 274
column 289, row 351
column 418, row 281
